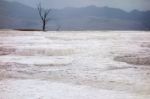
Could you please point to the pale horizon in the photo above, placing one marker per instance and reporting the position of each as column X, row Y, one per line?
column 127, row 5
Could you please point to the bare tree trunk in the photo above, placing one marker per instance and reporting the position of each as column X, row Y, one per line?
column 44, row 26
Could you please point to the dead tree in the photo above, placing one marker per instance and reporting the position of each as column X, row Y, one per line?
column 43, row 15
column 58, row 27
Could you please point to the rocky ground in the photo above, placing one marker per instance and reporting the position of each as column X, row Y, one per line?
column 74, row 65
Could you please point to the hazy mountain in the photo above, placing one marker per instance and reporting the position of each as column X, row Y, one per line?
column 16, row 15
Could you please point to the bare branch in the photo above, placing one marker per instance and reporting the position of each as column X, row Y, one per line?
column 40, row 11
column 46, row 13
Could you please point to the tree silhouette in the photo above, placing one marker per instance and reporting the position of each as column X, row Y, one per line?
column 44, row 16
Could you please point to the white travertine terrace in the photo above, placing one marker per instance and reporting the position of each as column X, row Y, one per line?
column 75, row 65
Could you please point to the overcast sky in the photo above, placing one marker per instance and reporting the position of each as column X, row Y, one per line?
column 123, row 4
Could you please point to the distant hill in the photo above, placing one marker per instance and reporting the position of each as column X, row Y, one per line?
column 16, row 15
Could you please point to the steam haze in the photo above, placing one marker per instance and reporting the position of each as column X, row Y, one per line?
column 122, row 4
column 84, row 14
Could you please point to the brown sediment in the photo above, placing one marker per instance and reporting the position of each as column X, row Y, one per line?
column 6, row 50
column 134, row 59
